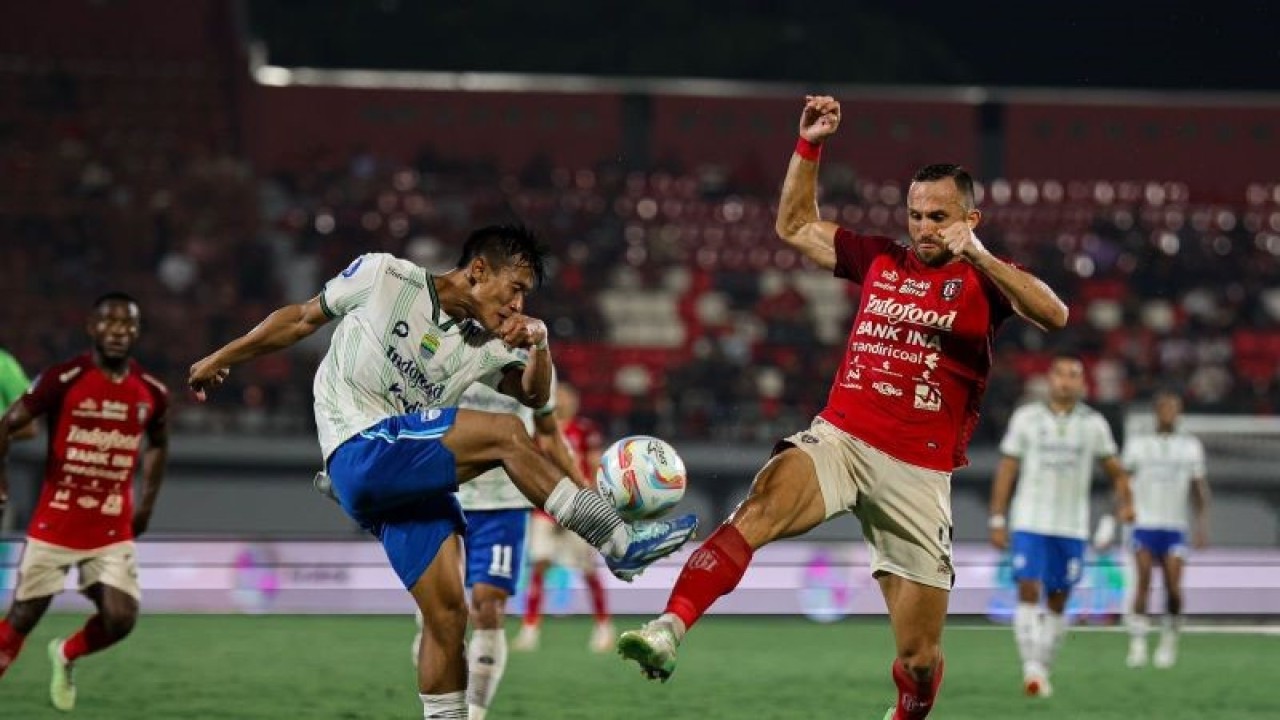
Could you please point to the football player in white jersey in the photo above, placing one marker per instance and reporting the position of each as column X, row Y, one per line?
column 396, row 447
column 497, row 521
column 1168, row 470
column 1050, row 448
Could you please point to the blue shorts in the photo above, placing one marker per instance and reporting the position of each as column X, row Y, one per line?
column 397, row 479
column 1054, row 561
column 495, row 547
column 1160, row 543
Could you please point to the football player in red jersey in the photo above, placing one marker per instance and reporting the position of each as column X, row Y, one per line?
column 549, row 543
column 98, row 408
column 902, row 407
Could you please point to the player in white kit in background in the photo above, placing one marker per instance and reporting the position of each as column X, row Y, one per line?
column 1168, row 474
column 1049, row 448
column 497, row 523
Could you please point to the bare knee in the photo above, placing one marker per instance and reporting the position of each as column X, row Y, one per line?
column 1028, row 592
column 488, row 608
column 919, row 656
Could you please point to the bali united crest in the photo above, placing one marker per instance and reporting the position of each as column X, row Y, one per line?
column 951, row 288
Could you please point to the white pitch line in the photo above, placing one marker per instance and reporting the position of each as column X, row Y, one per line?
column 1270, row 630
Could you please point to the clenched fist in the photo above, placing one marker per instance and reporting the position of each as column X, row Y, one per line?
column 820, row 119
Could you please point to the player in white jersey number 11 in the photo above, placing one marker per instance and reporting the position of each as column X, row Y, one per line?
column 395, row 445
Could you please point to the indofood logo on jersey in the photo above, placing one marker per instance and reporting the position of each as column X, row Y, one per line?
column 103, row 440
column 896, row 312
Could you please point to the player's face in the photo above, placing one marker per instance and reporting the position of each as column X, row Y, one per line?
column 1066, row 380
column 499, row 293
column 566, row 402
column 1168, row 408
column 931, row 208
column 114, row 327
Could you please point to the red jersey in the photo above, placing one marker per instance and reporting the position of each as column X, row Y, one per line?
column 585, row 440
column 919, row 352
column 96, row 427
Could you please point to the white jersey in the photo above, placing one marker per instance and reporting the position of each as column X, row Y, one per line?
column 493, row 490
column 1163, row 467
column 395, row 350
column 1056, row 454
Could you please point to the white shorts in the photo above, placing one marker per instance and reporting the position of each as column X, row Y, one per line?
column 905, row 510
column 44, row 567
column 548, row 542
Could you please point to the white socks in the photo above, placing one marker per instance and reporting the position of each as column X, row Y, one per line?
column 449, row 706
column 486, row 661
column 1039, row 634
column 1138, row 626
column 1026, row 631
column 590, row 516
column 1053, row 628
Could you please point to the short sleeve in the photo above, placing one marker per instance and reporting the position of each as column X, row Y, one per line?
column 854, row 253
column 160, row 404
column 1198, row 465
column 1014, row 443
column 49, row 387
column 352, row 287
column 1104, row 441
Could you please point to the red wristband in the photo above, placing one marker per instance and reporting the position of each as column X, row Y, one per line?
column 808, row 150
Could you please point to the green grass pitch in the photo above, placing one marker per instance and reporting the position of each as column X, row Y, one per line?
column 352, row 668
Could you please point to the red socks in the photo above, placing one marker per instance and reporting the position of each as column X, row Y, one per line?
column 599, row 605
column 915, row 699
column 10, row 645
column 714, row 570
column 89, row 639
column 533, row 598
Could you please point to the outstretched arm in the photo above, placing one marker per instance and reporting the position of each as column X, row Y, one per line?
column 281, row 329
column 798, row 224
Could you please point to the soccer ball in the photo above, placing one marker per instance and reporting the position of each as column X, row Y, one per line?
column 641, row 476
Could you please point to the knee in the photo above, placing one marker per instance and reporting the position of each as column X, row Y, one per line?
column 118, row 624
column 508, row 429
column 487, row 614
column 920, row 656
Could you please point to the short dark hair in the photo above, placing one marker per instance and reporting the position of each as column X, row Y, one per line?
column 504, row 245
column 958, row 173
column 114, row 296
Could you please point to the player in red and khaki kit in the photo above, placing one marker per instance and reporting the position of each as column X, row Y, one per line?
column 98, row 406
column 901, row 410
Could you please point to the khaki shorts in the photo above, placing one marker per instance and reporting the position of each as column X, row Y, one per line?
column 905, row 510
column 548, row 542
column 44, row 568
